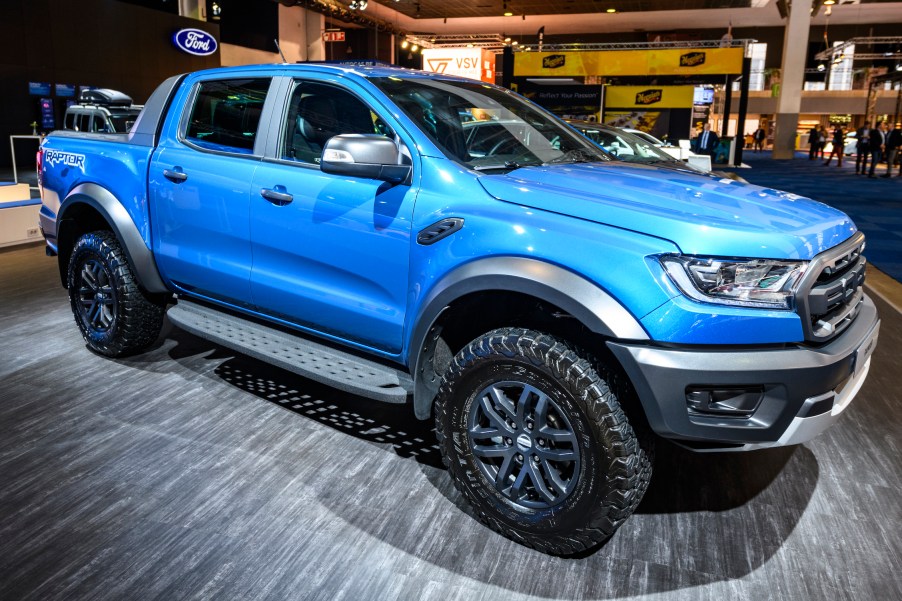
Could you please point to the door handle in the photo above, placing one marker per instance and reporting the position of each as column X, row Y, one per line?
column 175, row 175
column 277, row 195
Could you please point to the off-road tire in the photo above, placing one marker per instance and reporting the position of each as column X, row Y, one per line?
column 606, row 481
column 115, row 316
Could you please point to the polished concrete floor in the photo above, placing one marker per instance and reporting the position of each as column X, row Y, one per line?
column 190, row 472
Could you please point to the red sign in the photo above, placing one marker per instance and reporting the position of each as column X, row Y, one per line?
column 333, row 36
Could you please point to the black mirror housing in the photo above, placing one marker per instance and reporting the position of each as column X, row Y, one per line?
column 364, row 155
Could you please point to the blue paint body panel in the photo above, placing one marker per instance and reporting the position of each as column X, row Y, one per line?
column 341, row 260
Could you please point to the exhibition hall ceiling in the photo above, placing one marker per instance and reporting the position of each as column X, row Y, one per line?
column 457, row 9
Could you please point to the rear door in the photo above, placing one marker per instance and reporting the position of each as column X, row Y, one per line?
column 331, row 253
column 199, row 185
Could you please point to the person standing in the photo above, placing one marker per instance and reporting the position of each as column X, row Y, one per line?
column 821, row 141
column 893, row 143
column 839, row 144
column 878, row 146
column 758, row 137
column 813, row 135
column 707, row 141
column 862, row 149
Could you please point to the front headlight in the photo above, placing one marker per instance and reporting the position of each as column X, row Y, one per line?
column 743, row 282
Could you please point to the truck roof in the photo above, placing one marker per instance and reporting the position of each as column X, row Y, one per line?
column 324, row 67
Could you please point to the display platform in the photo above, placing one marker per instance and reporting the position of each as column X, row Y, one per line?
column 18, row 215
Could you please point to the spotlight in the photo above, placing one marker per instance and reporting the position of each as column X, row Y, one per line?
column 611, row 10
column 829, row 2
column 403, row 43
column 507, row 39
column 507, row 12
column 414, row 48
column 822, row 67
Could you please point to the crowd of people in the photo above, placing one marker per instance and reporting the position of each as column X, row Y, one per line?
column 873, row 145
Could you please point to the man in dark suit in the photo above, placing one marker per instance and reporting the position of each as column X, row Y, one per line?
column 759, row 136
column 893, row 144
column 878, row 145
column 707, row 141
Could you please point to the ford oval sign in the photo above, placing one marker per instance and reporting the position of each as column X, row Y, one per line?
column 195, row 41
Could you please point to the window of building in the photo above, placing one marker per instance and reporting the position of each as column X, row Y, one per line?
column 758, row 53
column 841, row 69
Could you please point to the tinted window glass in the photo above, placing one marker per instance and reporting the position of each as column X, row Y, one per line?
column 485, row 127
column 226, row 114
column 317, row 112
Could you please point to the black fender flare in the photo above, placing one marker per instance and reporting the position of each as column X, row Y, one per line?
column 595, row 308
column 140, row 257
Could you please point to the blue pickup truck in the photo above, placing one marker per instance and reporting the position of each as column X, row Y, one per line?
column 421, row 239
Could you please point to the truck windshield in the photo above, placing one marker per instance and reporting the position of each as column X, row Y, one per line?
column 485, row 127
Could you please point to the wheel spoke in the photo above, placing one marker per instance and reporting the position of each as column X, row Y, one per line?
column 556, row 435
column 89, row 277
column 504, row 473
column 491, row 413
column 554, row 476
column 556, row 454
column 479, row 433
column 503, row 402
column 491, row 451
column 539, row 483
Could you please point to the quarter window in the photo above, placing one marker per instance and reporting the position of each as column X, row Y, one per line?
column 226, row 114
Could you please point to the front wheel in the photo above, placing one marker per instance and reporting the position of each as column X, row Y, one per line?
column 538, row 443
column 114, row 315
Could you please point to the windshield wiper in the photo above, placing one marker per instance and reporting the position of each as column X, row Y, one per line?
column 511, row 165
column 577, row 155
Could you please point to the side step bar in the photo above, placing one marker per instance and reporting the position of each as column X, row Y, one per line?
column 294, row 353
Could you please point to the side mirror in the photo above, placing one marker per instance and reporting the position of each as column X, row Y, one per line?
column 364, row 155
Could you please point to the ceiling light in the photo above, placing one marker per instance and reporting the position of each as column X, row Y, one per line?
column 469, row 45
column 829, row 2
column 404, row 44
column 507, row 12
column 414, row 48
column 514, row 43
column 611, row 10
column 507, row 39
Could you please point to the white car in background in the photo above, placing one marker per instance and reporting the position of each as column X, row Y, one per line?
column 681, row 152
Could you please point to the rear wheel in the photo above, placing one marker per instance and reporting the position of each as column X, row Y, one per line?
column 114, row 315
column 538, row 443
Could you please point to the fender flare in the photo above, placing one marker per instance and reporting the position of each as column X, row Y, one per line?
column 595, row 308
column 140, row 257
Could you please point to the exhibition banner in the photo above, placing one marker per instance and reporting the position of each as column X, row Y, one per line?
column 475, row 63
column 664, row 97
column 666, row 61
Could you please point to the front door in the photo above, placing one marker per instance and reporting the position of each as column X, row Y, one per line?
column 331, row 253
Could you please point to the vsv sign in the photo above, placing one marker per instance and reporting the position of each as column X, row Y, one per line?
column 195, row 41
column 475, row 63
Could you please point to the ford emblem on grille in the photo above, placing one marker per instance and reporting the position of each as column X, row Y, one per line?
column 195, row 41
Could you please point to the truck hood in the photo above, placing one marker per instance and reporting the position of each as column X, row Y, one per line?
column 702, row 215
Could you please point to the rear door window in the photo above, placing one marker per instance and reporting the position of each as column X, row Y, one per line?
column 226, row 114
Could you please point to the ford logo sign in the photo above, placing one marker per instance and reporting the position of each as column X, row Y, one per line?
column 195, row 41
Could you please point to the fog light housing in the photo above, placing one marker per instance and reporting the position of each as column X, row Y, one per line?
column 721, row 401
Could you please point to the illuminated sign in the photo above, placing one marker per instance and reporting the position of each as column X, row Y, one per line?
column 195, row 41
column 475, row 63
column 333, row 36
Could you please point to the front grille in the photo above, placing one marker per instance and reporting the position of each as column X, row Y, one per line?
column 831, row 292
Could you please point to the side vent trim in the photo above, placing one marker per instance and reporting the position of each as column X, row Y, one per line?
column 438, row 230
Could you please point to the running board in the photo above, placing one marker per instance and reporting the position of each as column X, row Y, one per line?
column 291, row 352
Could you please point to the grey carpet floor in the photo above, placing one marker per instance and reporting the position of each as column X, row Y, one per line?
column 190, row 472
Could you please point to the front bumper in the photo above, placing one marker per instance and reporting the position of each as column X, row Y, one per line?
column 803, row 389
